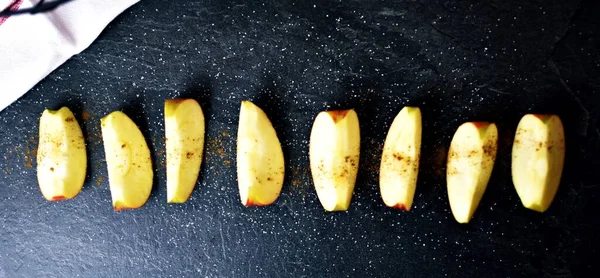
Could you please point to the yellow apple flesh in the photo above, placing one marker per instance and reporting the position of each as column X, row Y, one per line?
column 334, row 155
column 61, row 156
column 184, row 143
column 400, row 159
column 260, row 163
column 128, row 160
column 538, row 157
column 470, row 163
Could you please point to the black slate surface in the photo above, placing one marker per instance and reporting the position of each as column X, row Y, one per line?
column 457, row 60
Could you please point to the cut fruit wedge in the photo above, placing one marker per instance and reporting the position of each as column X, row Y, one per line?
column 128, row 160
column 184, row 140
column 260, row 163
column 470, row 163
column 334, row 157
column 61, row 155
column 400, row 159
column 538, row 157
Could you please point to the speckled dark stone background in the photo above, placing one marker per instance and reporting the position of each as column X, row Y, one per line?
column 458, row 60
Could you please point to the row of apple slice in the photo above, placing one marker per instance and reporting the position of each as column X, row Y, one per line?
column 538, row 156
column 62, row 161
column 537, row 161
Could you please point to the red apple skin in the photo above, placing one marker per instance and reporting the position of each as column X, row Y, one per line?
column 58, row 198
column 119, row 208
column 480, row 125
column 252, row 203
column 123, row 208
column 400, row 207
column 542, row 117
column 338, row 115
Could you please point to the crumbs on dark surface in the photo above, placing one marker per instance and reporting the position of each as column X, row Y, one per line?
column 298, row 176
column 371, row 164
column 30, row 152
column 85, row 116
column 160, row 153
column 372, row 161
column 296, row 182
column 94, row 139
column 215, row 145
column 439, row 159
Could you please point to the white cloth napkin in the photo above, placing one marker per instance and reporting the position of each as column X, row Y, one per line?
column 32, row 46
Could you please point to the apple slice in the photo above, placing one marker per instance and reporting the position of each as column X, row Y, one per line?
column 184, row 140
column 470, row 163
column 128, row 160
column 400, row 159
column 260, row 163
column 61, row 156
column 538, row 157
column 334, row 156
